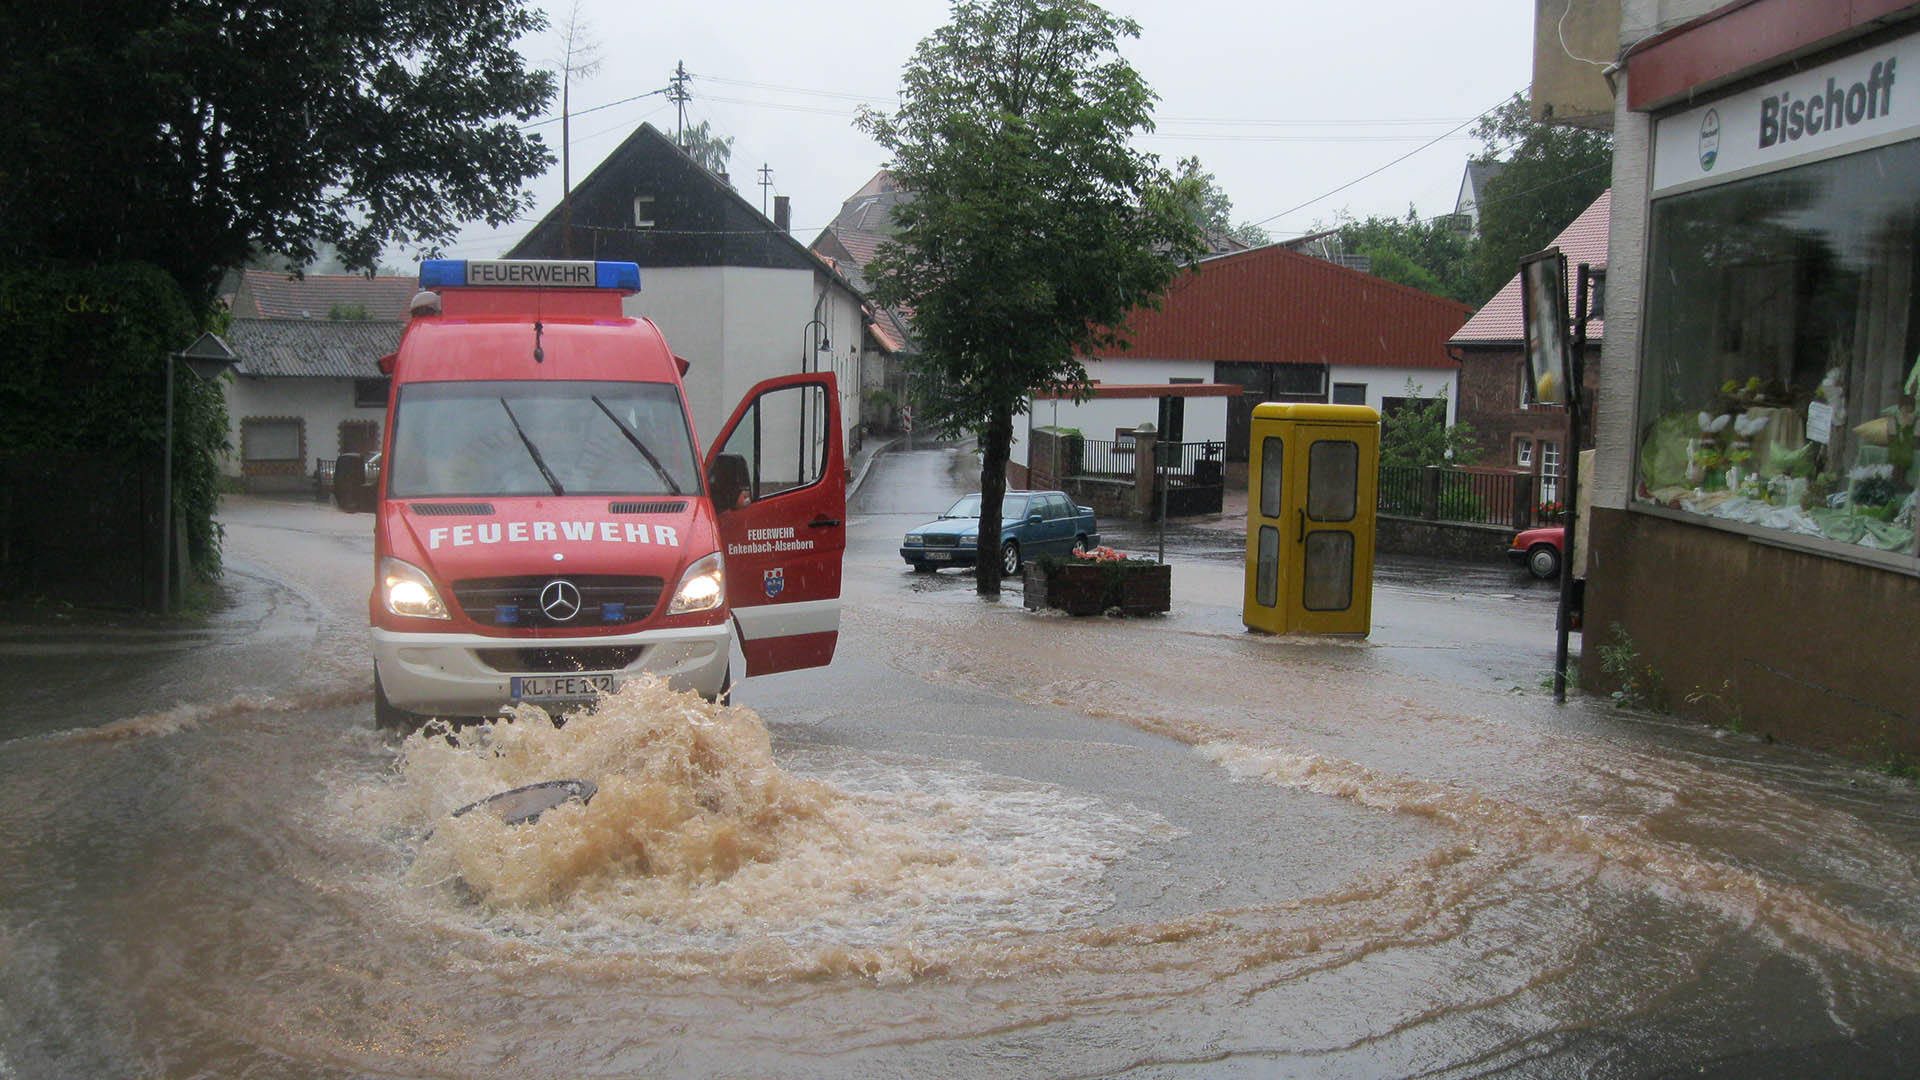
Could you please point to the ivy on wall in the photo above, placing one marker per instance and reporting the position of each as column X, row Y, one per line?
column 85, row 374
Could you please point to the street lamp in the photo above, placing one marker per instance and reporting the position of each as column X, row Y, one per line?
column 207, row 358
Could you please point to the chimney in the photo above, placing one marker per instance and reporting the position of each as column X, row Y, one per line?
column 783, row 213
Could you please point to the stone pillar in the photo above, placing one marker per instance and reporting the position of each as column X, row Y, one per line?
column 1145, row 503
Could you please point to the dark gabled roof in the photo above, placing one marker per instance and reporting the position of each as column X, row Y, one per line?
column 1475, row 185
column 1273, row 305
column 270, row 294
column 698, row 219
column 313, row 348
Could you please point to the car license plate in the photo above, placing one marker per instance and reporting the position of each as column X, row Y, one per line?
column 938, row 556
column 562, row 687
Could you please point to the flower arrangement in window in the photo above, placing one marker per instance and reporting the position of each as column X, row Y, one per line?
column 1549, row 510
column 1705, row 456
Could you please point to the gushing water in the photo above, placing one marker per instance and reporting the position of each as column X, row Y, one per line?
column 700, row 847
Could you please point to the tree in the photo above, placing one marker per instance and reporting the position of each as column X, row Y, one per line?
column 1212, row 210
column 711, row 151
column 1552, row 174
column 1034, row 228
column 579, row 59
column 1417, row 433
column 1430, row 256
column 185, row 134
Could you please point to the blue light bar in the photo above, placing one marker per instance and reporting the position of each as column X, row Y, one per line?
column 528, row 274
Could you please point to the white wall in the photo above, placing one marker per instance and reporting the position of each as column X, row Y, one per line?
column 1205, row 418
column 1386, row 382
column 321, row 402
column 739, row 325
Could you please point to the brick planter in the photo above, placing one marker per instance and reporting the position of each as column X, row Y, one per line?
column 1092, row 588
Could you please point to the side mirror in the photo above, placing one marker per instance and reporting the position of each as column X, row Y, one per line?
column 1035, row 518
column 350, row 489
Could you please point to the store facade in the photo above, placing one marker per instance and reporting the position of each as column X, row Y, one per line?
column 1753, row 509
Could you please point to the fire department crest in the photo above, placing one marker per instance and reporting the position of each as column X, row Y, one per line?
column 776, row 580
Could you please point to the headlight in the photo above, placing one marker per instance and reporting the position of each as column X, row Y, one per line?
column 915, row 540
column 407, row 590
column 702, row 587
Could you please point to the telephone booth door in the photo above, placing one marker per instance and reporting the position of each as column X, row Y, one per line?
column 1312, row 480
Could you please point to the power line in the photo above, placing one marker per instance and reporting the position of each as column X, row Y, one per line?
column 582, row 112
column 1432, row 142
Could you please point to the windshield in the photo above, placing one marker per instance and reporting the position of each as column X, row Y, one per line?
column 1012, row 508
column 540, row 438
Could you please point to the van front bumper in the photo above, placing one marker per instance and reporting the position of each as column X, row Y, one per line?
column 473, row 675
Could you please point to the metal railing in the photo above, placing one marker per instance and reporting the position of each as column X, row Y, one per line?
column 1439, row 493
column 1115, row 459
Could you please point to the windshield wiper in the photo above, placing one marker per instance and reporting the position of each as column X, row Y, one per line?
column 532, row 450
column 634, row 438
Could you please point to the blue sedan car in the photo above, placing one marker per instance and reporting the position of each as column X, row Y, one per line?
column 1032, row 523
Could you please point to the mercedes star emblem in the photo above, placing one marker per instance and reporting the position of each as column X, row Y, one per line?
column 560, row 600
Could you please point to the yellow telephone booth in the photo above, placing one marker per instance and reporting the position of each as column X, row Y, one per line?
column 1312, row 484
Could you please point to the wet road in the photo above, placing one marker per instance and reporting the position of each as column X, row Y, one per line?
column 983, row 842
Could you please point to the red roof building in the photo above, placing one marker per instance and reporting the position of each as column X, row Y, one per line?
column 1280, row 325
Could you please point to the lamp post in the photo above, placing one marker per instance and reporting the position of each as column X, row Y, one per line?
column 207, row 358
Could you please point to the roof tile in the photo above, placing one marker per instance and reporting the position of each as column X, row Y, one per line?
column 1277, row 306
column 1498, row 322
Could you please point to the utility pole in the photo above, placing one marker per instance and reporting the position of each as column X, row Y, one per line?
column 766, row 185
column 678, row 93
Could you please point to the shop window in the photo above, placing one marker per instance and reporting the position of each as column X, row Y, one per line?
column 1778, row 380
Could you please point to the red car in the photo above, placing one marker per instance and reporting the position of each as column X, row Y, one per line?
column 1539, row 550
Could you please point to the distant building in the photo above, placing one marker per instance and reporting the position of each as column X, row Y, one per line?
column 1473, row 185
column 1273, row 325
column 734, row 293
column 308, row 386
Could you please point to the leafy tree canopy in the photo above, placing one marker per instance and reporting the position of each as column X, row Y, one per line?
column 1416, row 433
column 1212, row 210
column 1431, row 256
column 1035, row 227
column 185, row 133
column 1552, row 173
column 710, row 150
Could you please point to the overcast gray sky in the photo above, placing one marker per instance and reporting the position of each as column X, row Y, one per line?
column 1283, row 101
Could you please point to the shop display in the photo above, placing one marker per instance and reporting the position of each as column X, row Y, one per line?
column 1783, row 352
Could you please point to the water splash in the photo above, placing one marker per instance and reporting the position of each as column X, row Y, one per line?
column 701, row 851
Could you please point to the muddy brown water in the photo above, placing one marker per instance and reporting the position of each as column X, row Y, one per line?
column 985, row 842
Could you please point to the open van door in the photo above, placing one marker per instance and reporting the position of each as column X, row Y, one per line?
column 778, row 479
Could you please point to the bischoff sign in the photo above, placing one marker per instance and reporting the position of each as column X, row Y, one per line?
column 1868, row 96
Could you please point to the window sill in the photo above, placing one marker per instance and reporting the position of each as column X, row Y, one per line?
column 1893, row 562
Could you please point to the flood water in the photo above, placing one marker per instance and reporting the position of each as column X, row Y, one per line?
column 984, row 842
